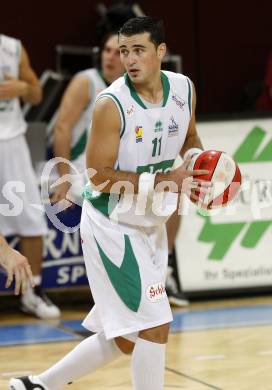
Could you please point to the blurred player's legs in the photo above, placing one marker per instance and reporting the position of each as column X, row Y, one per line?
column 175, row 295
column 35, row 301
column 29, row 222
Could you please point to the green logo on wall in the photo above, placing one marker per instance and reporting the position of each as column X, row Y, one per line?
column 222, row 236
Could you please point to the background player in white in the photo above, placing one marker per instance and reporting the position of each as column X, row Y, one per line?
column 16, row 267
column 75, row 112
column 143, row 120
column 19, row 81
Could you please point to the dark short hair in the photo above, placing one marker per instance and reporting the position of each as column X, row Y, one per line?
column 144, row 24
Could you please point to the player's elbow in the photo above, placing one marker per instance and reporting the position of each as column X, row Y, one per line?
column 37, row 96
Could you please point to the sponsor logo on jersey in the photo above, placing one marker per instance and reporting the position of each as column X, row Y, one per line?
column 179, row 102
column 139, row 134
column 158, row 126
column 131, row 110
column 172, row 127
column 156, row 292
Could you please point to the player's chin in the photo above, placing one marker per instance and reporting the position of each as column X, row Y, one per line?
column 135, row 77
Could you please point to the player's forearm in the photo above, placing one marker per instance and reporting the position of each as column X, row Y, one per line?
column 192, row 141
column 3, row 249
column 109, row 180
column 62, row 148
column 31, row 93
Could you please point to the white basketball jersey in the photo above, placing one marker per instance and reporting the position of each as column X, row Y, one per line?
column 81, row 129
column 150, row 141
column 12, row 122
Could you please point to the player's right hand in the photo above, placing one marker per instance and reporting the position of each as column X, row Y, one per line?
column 186, row 179
column 60, row 192
column 18, row 268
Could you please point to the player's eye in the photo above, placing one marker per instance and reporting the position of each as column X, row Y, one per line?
column 124, row 52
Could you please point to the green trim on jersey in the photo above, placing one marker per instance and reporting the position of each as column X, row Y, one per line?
column 126, row 280
column 101, row 201
column 189, row 96
column 162, row 166
column 79, row 147
column 120, row 108
column 166, row 88
column 99, row 71
column 136, row 97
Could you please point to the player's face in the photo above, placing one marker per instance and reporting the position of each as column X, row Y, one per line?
column 112, row 67
column 141, row 58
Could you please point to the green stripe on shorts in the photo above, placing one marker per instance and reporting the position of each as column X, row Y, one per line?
column 126, row 280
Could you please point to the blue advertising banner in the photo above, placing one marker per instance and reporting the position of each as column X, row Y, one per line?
column 63, row 264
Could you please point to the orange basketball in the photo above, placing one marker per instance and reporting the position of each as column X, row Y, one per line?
column 224, row 174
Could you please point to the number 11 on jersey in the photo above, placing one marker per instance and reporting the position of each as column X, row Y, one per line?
column 156, row 146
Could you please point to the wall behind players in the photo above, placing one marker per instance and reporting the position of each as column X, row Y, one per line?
column 224, row 44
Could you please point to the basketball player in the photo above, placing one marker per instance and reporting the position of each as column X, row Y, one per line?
column 73, row 121
column 140, row 125
column 16, row 266
column 17, row 178
column 70, row 137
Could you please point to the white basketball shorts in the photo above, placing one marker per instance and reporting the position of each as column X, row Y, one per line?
column 126, row 268
column 21, row 212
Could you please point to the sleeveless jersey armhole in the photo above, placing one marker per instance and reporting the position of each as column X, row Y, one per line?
column 120, row 110
column 190, row 95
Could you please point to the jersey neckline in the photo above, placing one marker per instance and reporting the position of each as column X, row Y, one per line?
column 100, row 72
column 136, row 97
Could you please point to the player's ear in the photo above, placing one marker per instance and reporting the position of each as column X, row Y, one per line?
column 161, row 50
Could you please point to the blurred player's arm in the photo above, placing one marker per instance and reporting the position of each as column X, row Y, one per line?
column 74, row 101
column 26, row 86
column 16, row 266
column 102, row 152
column 192, row 138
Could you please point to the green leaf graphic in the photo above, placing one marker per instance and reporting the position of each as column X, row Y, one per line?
column 222, row 236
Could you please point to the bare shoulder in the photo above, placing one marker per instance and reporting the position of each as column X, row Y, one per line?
column 80, row 80
column 78, row 87
column 105, row 106
column 106, row 117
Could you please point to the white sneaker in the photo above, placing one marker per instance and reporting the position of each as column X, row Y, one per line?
column 36, row 302
column 27, row 383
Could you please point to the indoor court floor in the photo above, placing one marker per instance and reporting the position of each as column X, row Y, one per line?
column 225, row 344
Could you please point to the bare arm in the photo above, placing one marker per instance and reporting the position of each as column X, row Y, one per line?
column 101, row 156
column 16, row 266
column 192, row 139
column 27, row 86
column 31, row 91
column 74, row 101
